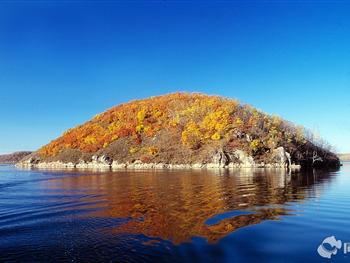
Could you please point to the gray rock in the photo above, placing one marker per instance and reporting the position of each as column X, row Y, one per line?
column 281, row 157
column 220, row 159
column 105, row 160
column 242, row 158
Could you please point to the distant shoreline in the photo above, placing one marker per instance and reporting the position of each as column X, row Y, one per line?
column 345, row 157
column 13, row 158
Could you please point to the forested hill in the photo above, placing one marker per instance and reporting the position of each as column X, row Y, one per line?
column 184, row 128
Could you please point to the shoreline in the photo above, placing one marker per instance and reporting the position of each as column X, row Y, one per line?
column 220, row 160
column 138, row 165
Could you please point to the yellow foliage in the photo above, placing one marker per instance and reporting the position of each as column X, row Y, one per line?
column 158, row 114
column 114, row 126
column 90, row 140
column 191, row 136
column 153, row 150
column 217, row 122
column 216, row 136
column 133, row 150
column 255, row 145
column 139, row 128
column 174, row 122
column 238, row 122
column 141, row 115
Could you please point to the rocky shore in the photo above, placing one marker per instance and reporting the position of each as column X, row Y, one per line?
column 138, row 165
column 221, row 160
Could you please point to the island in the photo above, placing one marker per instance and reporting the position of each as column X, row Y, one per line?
column 184, row 131
column 13, row 157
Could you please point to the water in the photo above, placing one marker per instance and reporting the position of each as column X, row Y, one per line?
column 172, row 216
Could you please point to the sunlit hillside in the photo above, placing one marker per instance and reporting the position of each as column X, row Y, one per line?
column 182, row 128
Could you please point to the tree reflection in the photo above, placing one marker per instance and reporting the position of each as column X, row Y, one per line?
column 175, row 205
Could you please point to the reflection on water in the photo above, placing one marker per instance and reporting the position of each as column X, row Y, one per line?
column 175, row 205
column 156, row 216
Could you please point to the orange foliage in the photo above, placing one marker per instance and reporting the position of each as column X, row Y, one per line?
column 197, row 118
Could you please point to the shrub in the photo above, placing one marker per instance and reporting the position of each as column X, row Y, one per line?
column 255, row 145
column 90, row 140
column 139, row 128
column 216, row 136
column 141, row 116
column 191, row 136
column 133, row 150
column 153, row 150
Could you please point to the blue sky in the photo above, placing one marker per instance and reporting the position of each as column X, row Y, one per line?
column 62, row 63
